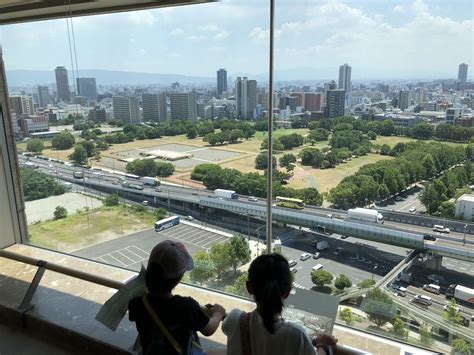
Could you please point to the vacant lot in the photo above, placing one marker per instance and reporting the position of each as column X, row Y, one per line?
column 88, row 228
column 325, row 179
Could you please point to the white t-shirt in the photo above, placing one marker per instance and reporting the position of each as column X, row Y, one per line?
column 289, row 338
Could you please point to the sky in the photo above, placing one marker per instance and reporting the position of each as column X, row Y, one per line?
column 380, row 39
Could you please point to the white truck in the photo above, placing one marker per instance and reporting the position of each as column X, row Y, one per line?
column 226, row 194
column 461, row 293
column 365, row 214
column 322, row 245
column 147, row 180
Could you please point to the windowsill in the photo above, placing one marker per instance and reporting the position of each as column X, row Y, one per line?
column 72, row 303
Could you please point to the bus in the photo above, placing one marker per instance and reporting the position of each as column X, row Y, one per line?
column 132, row 176
column 132, row 186
column 289, row 202
column 166, row 223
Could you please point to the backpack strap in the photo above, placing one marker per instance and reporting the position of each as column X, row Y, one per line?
column 245, row 333
column 162, row 327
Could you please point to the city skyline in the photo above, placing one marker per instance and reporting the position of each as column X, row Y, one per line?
column 365, row 34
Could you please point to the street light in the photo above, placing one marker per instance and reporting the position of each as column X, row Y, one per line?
column 464, row 235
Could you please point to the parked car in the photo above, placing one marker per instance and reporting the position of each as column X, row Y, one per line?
column 412, row 209
column 305, row 256
column 292, row 263
column 293, row 270
column 189, row 218
column 316, row 255
column 344, row 236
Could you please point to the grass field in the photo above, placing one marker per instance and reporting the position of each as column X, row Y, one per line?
column 326, row 179
column 391, row 141
column 83, row 229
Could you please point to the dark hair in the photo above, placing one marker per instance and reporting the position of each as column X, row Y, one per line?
column 269, row 279
column 156, row 283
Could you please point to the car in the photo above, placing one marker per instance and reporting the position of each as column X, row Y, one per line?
column 422, row 299
column 292, row 263
column 412, row 209
column 158, row 189
column 446, row 307
column 400, row 290
column 338, row 251
column 253, row 199
column 145, row 203
column 398, row 199
column 189, row 218
column 465, row 322
column 316, row 255
column 330, row 215
column 441, row 229
column 293, row 269
column 344, row 236
column 305, row 256
column 429, row 237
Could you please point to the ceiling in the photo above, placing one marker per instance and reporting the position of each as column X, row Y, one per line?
column 16, row 11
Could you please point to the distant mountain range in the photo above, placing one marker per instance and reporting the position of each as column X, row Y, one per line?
column 103, row 77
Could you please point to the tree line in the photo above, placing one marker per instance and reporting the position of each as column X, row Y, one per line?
column 38, row 185
column 149, row 167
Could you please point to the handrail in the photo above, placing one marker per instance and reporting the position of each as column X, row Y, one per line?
column 62, row 269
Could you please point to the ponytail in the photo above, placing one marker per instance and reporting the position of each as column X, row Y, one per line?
column 270, row 279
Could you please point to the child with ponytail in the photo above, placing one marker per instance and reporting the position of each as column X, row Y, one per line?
column 263, row 331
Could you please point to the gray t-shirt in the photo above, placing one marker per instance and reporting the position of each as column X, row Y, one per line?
column 289, row 338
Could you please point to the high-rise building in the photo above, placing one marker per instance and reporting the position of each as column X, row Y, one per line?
column 183, row 106
column 221, row 81
column 462, row 72
column 246, row 97
column 288, row 101
column 87, row 87
column 154, row 107
column 62, row 84
column 335, row 100
column 97, row 115
column 312, row 101
column 263, row 98
column 403, row 99
column 22, row 104
column 126, row 109
column 345, row 82
column 452, row 114
column 43, row 96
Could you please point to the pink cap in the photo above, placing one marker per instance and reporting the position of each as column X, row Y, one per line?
column 173, row 258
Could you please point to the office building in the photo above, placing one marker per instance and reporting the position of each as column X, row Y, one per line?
column 126, row 109
column 97, row 115
column 312, row 101
column 403, row 99
column 465, row 207
column 452, row 114
column 151, row 107
column 183, row 106
column 43, row 96
column 221, row 81
column 22, row 104
column 62, row 84
column 462, row 72
column 345, row 82
column 87, row 88
column 335, row 101
column 246, row 97
column 290, row 102
column 263, row 98
column 33, row 123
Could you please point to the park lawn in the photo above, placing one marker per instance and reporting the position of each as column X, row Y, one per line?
column 84, row 229
column 326, row 179
column 392, row 140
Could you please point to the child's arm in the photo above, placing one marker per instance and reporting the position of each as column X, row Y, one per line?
column 217, row 314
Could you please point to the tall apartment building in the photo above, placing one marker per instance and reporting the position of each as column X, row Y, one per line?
column 126, row 109
column 22, row 104
column 345, row 82
column 62, row 84
column 312, row 101
column 263, row 98
column 221, row 81
column 288, row 101
column 43, row 96
column 403, row 99
column 183, row 106
column 154, row 107
column 87, row 88
column 452, row 114
column 462, row 72
column 246, row 97
column 335, row 101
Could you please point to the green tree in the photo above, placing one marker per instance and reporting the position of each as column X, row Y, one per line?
column 461, row 347
column 221, row 257
column 342, row 282
column 164, row 169
column 277, row 145
column 385, row 149
column 399, row 328
column 90, row 148
column 379, row 307
column 35, row 146
column 429, row 165
column 387, row 128
column 318, row 135
column 261, row 161
column 60, row 212
column 347, row 316
column 422, row 130
column 311, row 196
column 426, row 335
column 38, row 185
column 366, row 283
column 287, row 161
column 447, row 209
column 451, row 313
column 79, row 155
column 203, row 268
column 211, row 138
column 430, row 198
column 63, row 141
column 321, row 277
column 291, row 141
column 239, row 287
column 372, row 135
column 191, row 133
column 160, row 213
column 142, row 167
column 111, row 200
column 239, row 251
column 201, row 170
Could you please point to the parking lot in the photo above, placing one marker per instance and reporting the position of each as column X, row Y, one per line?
column 133, row 250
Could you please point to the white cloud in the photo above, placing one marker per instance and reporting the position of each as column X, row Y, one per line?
column 142, row 51
column 196, row 37
column 398, row 8
column 419, row 6
column 208, row 28
column 222, row 35
column 175, row 55
column 177, row 31
column 142, row 18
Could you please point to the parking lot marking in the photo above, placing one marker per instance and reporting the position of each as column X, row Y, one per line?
column 132, row 252
column 125, row 256
column 206, row 245
column 140, row 251
column 298, row 286
column 109, row 255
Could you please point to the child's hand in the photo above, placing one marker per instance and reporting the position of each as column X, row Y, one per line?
column 324, row 339
column 218, row 309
